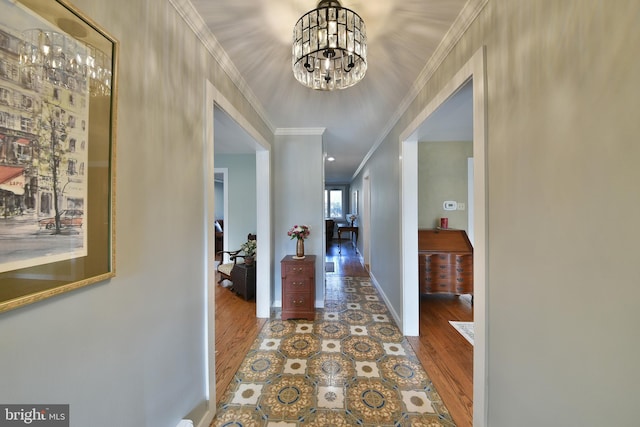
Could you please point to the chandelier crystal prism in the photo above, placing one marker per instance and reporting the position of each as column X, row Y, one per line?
column 329, row 47
column 60, row 59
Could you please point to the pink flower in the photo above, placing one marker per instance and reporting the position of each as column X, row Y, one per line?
column 299, row 232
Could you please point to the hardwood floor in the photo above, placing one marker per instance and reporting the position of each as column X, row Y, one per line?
column 236, row 329
column 444, row 353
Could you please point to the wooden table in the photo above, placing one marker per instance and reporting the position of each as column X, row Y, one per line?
column 347, row 228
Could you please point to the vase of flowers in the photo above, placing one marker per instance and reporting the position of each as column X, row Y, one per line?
column 299, row 232
column 249, row 248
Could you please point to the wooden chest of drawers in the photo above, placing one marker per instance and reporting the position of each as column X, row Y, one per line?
column 298, row 287
column 445, row 260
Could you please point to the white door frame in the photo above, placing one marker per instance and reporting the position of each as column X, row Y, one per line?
column 263, row 199
column 366, row 220
column 473, row 70
column 225, row 198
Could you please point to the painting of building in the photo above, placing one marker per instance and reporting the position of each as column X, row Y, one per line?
column 43, row 144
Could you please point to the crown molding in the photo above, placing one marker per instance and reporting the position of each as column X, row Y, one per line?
column 300, row 131
column 463, row 21
column 193, row 19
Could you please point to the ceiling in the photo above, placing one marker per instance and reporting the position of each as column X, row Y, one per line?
column 402, row 36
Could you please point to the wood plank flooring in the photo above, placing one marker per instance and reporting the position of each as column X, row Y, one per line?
column 236, row 329
column 444, row 353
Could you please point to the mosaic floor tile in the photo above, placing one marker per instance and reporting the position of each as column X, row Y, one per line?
column 351, row 367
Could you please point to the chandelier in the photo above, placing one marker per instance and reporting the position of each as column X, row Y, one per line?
column 329, row 47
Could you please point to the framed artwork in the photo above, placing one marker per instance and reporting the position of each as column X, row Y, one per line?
column 57, row 142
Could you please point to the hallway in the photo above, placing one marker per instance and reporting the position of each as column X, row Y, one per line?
column 447, row 356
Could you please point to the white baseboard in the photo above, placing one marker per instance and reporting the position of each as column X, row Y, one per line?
column 394, row 314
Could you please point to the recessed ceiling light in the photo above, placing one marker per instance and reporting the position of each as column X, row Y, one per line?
column 331, row 159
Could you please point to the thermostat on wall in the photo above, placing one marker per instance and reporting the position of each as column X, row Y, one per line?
column 450, row 205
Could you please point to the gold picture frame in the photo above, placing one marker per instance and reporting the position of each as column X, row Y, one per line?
column 58, row 87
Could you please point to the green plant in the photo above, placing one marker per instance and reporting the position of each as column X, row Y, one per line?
column 249, row 247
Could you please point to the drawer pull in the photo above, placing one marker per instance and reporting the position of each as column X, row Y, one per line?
column 298, row 303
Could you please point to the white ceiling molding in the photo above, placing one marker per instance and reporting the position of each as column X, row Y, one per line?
column 462, row 23
column 300, row 131
column 193, row 19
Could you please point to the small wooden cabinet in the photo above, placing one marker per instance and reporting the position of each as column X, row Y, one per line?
column 243, row 277
column 298, row 287
column 445, row 260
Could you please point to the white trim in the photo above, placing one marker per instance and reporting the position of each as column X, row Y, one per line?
column 474, row 69
column 394, row 313
column 263, row 195
column 408, row 231
column 470, row 205
column 193, row 19
column 225, row 214
column 263, row 178
column 209, row 255
column 263, row 226
column 300, row 131
column 480, row 253
column 366, row 221
column 462, row 22
column 233, row 112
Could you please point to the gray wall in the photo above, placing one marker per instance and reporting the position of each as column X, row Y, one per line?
column 219, row 200
column 242, row 196
column 384, row 176
column 563, row 208
column 562, row 224
column 131, row 351
column 298, row 184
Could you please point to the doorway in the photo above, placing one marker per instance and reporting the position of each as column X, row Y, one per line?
column 224, row 117
column 366, row 222
column 472, row 71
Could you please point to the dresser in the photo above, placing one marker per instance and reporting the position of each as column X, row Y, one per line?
column 298, row 287
column 445, row 260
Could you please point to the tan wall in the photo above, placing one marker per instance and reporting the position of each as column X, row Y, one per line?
column 442, row 176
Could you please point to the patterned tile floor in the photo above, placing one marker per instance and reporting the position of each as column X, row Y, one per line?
column 350, row 367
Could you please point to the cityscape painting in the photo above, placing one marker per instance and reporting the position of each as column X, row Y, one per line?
column 43, row 141
column 57, row 139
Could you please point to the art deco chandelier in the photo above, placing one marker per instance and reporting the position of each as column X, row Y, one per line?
column 329, row 47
